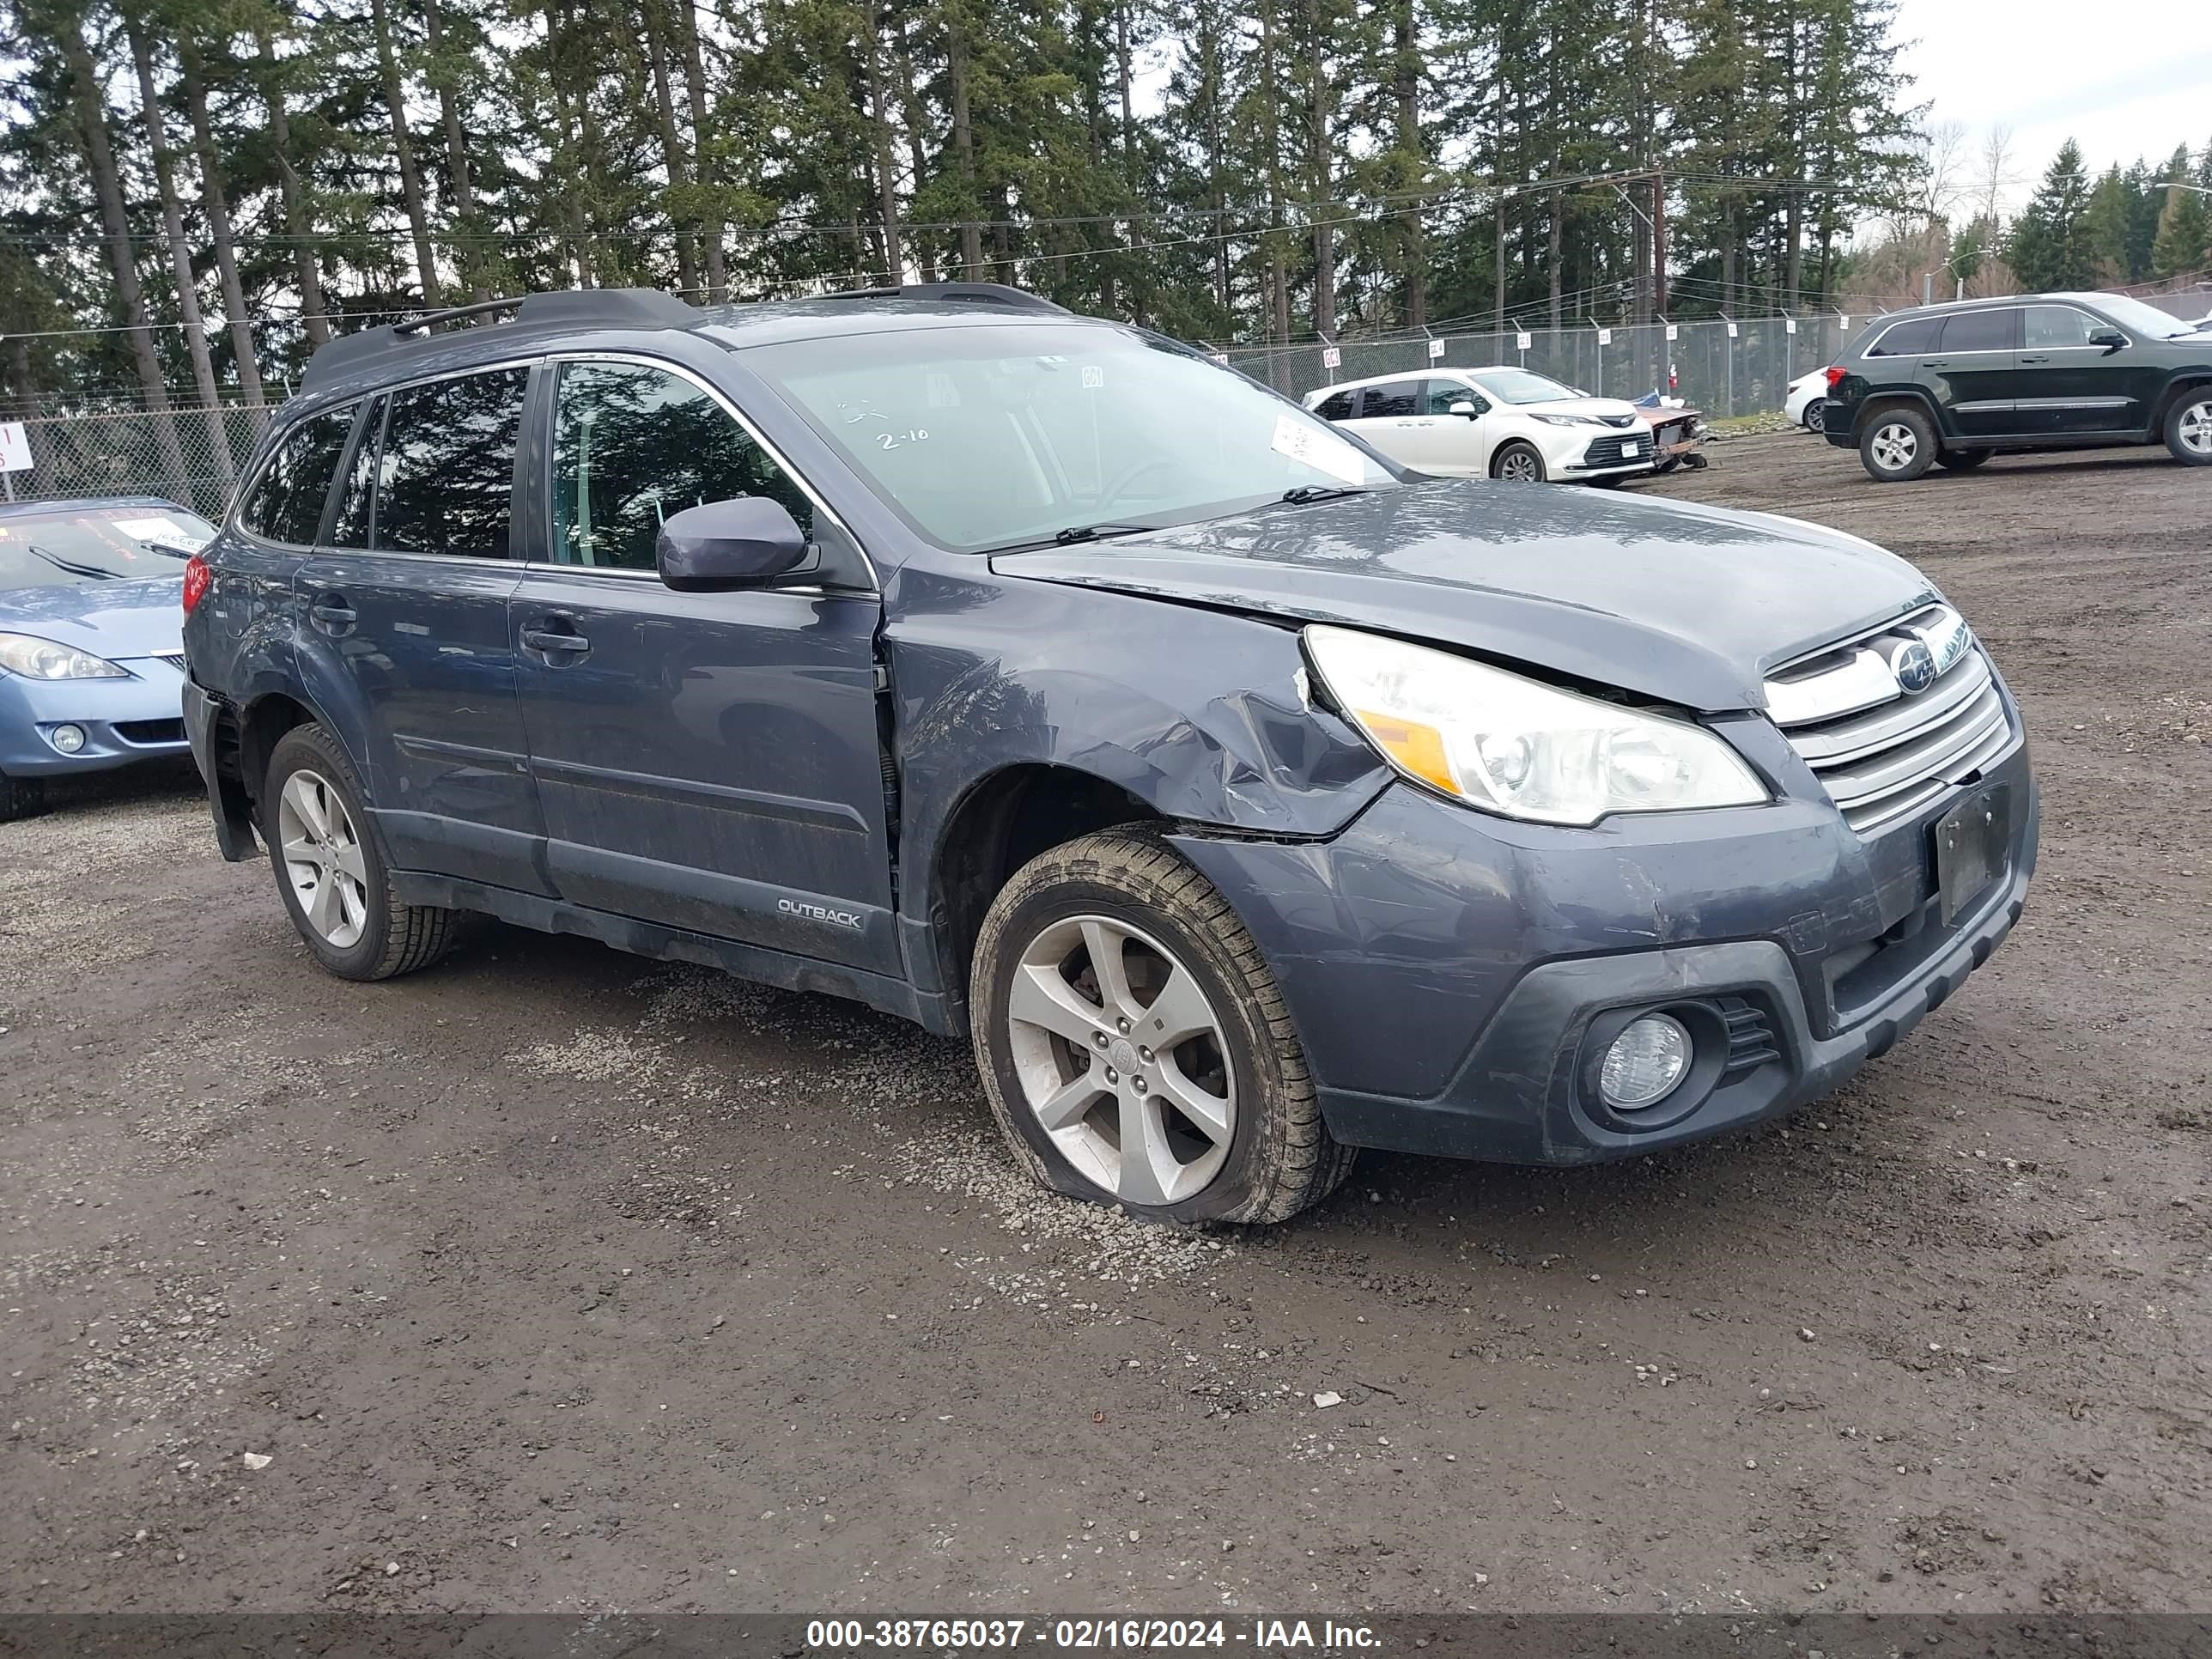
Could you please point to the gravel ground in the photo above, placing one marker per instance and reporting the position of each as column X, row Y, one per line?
column 557, row 1279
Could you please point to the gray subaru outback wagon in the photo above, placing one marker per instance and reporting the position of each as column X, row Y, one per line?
column 1247, row 798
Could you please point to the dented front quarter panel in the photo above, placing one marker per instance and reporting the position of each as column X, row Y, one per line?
column 1205, row 716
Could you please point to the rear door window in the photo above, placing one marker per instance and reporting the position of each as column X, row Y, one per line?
column 1392, row 398
column 444, row 473
column 1980, row 330
column 1337, row 407
column 1906, row 339
column 287, row 502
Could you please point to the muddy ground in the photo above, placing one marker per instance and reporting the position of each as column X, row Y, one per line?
column 553, row 1279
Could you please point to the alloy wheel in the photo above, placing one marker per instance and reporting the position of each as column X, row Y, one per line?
column 323, row 859
column 1894, row 446
column 1816, row 417
column 1519, row 467
column 1122, row 1059
column 2195, row 428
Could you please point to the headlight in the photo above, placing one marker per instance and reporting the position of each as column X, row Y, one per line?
column 42, row 659
column 1570, row 420
column 1514, row 746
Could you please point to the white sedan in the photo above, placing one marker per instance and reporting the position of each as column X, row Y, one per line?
column 1807, row 400
column 1498, row 423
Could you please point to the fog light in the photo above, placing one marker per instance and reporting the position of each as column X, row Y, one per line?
column 1645, row 1063
column 69, row 738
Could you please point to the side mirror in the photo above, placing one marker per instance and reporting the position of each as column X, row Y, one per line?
column 744, row 542
column 1466, row 411
column 2111, row 338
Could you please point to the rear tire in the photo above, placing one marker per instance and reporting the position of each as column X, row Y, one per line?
column 331, row 869
column 1225, row 1114
column 1897, row 446
column 1815, row 418
column 1517, row 462
column 2188, row 427
column 1963, row 460
column 21, row 798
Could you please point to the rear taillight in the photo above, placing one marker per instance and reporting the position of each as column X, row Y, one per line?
column 1835, row 373
column 199, row 576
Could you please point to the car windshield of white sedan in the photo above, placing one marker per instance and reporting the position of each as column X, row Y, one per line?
column 1522, row 386
column 989, row 438
column 100, row 544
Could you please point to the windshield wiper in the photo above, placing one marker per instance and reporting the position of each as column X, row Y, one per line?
column 1299, row 495
column 1091, row 533
column 60, row 563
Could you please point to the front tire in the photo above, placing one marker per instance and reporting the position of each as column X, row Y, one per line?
column 1898, row 445
column 1091, row 950
column 1518, row 462
column 2188, row 427
column 330, row 871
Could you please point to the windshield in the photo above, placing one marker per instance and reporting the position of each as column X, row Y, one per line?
column 67, row 547
column 1522, row 386
column 986, row 438
column 2137, row 318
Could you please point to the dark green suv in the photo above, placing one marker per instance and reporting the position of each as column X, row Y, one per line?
column 1952, row 385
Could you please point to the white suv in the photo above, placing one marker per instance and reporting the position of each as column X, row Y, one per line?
column 1500, row 423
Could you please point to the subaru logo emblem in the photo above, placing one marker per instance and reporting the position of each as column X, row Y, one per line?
column 1914, row 665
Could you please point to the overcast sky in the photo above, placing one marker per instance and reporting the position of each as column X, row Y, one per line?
column 2124, row 78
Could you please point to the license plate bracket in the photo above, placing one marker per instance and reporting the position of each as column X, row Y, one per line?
column 1970, row 848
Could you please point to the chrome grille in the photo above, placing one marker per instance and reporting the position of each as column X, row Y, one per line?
column 1883, row 752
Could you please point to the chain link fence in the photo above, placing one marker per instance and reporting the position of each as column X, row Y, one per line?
column 189, row 456
column 1723, row 368
column 192, row 456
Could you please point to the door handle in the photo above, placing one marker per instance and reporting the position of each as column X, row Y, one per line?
column 1935, row 362
column 332, row 614
column 2034, row 360
column 554, row 638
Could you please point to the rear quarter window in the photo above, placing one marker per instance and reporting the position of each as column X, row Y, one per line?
column 288, row 498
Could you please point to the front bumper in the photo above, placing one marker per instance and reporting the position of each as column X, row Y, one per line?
column 125, row 720
column 1454, row 976
column 1582, row 456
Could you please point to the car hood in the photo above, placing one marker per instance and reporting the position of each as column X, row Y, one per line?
column 1686, row 604
column 1604, row 408
column 111, row 619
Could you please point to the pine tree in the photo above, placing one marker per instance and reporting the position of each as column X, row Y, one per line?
column 2051, row 248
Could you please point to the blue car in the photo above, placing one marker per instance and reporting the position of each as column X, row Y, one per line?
column 91, row 654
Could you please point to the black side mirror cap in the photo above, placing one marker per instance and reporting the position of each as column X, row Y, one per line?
column 2111, row 338
column 745, row 541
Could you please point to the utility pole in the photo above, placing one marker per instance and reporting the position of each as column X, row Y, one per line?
column 1501, row 259
column 1659, row 241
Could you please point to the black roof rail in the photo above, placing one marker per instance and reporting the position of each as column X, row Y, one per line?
column 563, row 309
column 988, row 294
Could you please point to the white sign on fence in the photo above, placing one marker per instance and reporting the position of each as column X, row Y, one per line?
column 1731, row 330
column 1605, row 336
column 1435, row 350
column 14, row 448
column 1845, row 320
column 1789, row 325
column 1520, row 341
column 1673, row 333
column 1331, row 357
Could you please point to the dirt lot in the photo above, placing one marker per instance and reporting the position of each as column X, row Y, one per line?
column 553, row 1279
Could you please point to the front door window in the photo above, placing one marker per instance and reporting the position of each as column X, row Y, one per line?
column 633, row 445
